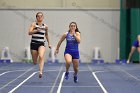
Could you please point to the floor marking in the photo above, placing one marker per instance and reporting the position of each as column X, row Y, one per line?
column 55, row 86
column 82, row 86
column 15, row 78
column 51, row 91
column 60, row 84
column 102, row 87
column 129, row 74
column 104, row 90
column 21, row 83
column 5, row 73
column 10, row 71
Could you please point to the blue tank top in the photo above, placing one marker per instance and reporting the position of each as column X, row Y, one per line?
column 71, row 43
column 136, row 43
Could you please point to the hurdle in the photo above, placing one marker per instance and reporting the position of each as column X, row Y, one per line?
column 52, row 58
column 97, row 56
column 118, row 60
column 27, row 55
column 5, row 56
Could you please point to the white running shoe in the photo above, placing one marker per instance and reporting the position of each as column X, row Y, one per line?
column 128, row 61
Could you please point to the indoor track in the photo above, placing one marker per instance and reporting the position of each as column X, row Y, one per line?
column 93, row 78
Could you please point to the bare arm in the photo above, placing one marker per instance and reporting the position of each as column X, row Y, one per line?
column 77, row 37
column 31, row 29
column 59, row 43
column 47, row 36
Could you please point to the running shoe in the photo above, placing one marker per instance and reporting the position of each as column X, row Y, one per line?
column 67, row 75
column 34, row 63
column 40, row 75
column 75, row 79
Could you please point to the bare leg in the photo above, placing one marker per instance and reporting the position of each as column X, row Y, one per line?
column 34, row 56
column 75, row 65
column 131, row 53
column 41, row 52
column 139, row 53
column 68, row 59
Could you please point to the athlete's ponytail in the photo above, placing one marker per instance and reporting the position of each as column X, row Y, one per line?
column 77, row 30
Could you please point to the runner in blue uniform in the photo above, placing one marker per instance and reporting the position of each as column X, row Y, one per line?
column 39, row 32
column 135, row 45
column 71, row 53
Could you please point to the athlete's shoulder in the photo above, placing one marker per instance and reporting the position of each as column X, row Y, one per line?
column 45, row 24
column 34, row 23
column 66, row 32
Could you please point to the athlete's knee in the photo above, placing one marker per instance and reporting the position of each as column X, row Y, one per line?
column 75, row 67
column 41, row 58
column 68, row 62
column 131, row 53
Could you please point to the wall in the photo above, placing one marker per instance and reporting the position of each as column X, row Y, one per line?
column 99, row 28
column 34, row 4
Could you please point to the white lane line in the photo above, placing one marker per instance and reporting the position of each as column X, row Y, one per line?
column 45, row 71
column 10, row 71
column 29, row 86
column 102, row 87
column 21, row 83
column 51, row 91
column 15, row 78
column 104, row 90
column 5, row 73
column 81, row 86
column 60, row 84
column 129, row 74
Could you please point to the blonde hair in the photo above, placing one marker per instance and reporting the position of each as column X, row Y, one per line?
column 138, row 37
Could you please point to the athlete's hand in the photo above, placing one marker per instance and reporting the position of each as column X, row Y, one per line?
column 56, row 52
column 50, row 46
column 74, row 34
column 38, row 29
